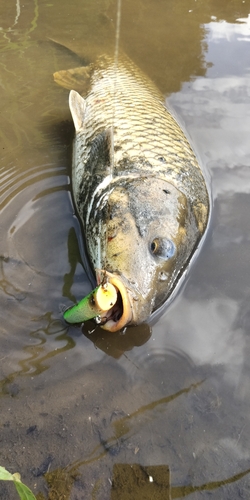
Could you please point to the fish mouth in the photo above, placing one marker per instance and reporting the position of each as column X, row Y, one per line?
column 120, row 315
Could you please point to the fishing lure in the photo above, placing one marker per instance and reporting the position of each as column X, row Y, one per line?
column 99, row 301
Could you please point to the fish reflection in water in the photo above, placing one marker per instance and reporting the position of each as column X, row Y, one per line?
column 137, row 185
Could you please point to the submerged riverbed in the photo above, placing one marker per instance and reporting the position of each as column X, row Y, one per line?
column 171, row 398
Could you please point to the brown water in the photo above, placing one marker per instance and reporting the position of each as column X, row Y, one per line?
column 85, row 407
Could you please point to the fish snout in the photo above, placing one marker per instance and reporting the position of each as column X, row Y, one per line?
column 131, row 307
column 121, row 314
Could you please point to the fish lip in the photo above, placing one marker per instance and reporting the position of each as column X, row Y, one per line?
column 127, row 314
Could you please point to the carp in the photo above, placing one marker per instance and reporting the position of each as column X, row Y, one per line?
column 137, row 185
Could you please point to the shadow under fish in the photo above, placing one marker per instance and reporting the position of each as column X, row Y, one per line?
column 137, row 186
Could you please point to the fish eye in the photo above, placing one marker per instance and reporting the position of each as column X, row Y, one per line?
column 163, row 248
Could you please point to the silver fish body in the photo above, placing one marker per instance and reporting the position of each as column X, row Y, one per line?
column 137, row 185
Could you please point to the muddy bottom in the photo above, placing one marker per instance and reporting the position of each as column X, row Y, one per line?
column 162, row 410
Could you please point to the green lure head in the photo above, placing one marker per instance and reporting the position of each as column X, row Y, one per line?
column 99, row 301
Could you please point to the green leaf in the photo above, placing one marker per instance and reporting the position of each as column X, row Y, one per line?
column 24, row 492
column 5, row 475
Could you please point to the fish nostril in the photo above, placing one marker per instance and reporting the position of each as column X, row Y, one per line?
column 163, row 276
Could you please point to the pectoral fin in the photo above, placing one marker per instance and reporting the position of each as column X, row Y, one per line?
column 201, row 215
column 77, row 107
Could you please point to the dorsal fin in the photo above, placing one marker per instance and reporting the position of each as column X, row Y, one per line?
column 77, row 78
column 77, row 107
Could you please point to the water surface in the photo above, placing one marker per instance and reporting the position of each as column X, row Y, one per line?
column 76, row 407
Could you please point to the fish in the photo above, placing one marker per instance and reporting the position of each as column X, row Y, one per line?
column 137, row 186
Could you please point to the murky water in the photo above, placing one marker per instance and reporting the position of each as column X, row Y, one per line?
column 77, row 407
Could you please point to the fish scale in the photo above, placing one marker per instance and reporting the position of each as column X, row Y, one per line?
column 151, row 115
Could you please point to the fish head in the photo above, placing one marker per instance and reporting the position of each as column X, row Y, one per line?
column 147, row 233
